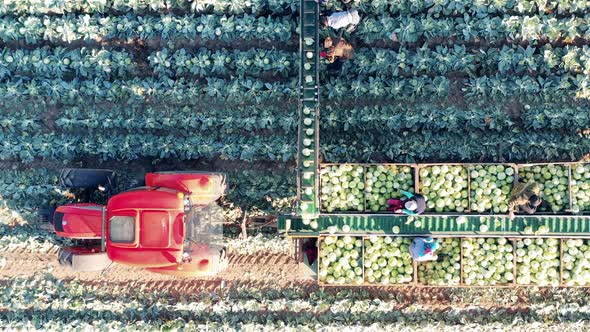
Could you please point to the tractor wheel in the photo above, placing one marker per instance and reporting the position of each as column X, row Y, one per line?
column 83, row 260
column 86, row 178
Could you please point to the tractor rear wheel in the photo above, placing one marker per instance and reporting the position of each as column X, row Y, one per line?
column 86, row 178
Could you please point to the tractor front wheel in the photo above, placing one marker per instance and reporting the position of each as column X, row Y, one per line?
column 83, row 259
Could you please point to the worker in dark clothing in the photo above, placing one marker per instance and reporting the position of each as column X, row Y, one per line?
column 337, row 48
column 414, row 204
column 524, row 197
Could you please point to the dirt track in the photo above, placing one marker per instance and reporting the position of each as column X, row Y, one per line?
column 260, row 270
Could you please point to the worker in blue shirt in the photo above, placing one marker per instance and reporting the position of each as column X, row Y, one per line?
column 414, row 204
column 423, row 249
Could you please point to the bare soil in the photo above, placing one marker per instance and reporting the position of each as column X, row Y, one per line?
column 259, row 271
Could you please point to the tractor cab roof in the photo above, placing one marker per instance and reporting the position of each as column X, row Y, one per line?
column 145, row 227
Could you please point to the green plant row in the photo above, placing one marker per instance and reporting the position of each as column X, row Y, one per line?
column 204, row 62
column 472, row 28
column 486, row 115
column 57, row 62
column 480, row 8
column 433, row 146
column 109, row 146
column 46, row 303
column 183, row 120
column 444, row 60
column 180, row 91
column 89, row 63
column 37, row 7
column 408, row 89
column 98, row 28
column 85, row 92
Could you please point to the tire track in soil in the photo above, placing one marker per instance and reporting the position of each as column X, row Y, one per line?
column 259, row 270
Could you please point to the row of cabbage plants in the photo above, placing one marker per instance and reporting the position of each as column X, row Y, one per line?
column 409, row 147
column 477, row 115
column 385, row 260
column 337, row 146
column 138, row 90
column 101, row 63
column 37, row 7
column 159, row 118
column 77, row 91
column 57, row 62
column 111, row 146
column 482, row 115
column 97, row 28
column 443, row 60
column 481, row 8
column 477, row 188
column 497, row 86
column 412, row 29
column 38, row 303
column 204, row 62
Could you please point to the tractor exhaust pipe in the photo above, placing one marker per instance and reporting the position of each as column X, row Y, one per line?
column 103, row 225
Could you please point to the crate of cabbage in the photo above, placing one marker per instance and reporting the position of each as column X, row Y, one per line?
column 342, row 188
column 490, row 187
column 370, row 260
column 363, row 187
column 386, row 181
column 445, row 186
column 554, row 182
column 580, row 187
column 466, row 262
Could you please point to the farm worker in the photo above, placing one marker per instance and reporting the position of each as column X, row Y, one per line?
column 337, row 48
column 325, row 2
column 423, row 248
column 347, row 19
column 413, row 204
column 525, row 196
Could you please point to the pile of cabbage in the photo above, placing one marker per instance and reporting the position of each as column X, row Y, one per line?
column 387, row 260
column 537, row 262
column 580, row 184
column 340, row 260
column 553, row 180
column 385, row 182
column 490, row 187
column 447, row 269
column 445, row 188
column 487, row 261
column 342, row 188
column 576, row 262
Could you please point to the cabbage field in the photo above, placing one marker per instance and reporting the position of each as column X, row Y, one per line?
column 153, row 85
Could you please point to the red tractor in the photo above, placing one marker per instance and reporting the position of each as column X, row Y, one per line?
column 168, row 226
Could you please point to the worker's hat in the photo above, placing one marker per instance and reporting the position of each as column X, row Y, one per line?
column 411, row 205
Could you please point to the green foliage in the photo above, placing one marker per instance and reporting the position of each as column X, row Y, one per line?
column 204, row 62
column 36, row 7
column 180, row 91
column 57, row 62
column 466, row 28
column 70, row 28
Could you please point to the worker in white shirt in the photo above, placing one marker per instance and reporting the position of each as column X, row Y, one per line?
column 347, row 19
